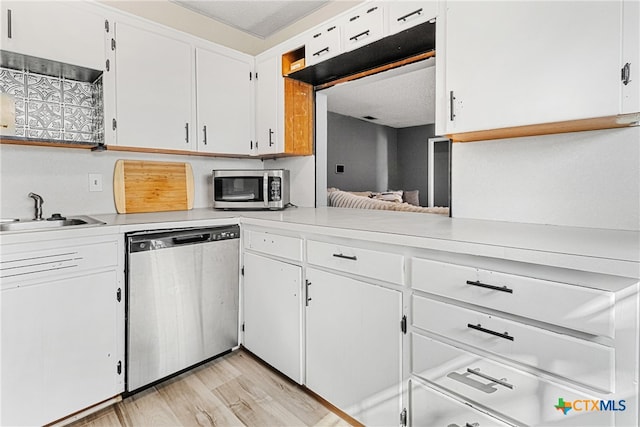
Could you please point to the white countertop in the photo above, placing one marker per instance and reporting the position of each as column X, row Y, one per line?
column 607, row 251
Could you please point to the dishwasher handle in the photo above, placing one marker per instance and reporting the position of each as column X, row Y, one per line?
column 185, row 240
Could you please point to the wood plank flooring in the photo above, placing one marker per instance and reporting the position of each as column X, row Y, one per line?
column 234, row 390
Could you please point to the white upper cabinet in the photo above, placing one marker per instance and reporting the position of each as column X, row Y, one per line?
column 269, row 105
column 224, row 95
column 363, row 26
column 519, row 63
column 630, row 56
column 406, row 14
column 68, row 32
column 323, row 44
column 153, row 77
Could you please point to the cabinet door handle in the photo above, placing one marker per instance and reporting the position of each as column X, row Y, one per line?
column 626, row 74
column 451, row 113
column 357, row 36
column 321, row 51
column 350, row 257
column 503, row 382
column 306, row 292
column 479, row 327
column 354, row 18
column 9, row 27
column 492, row 287
column 409, row 15
column 186, row 132
column 204, row 130
column 270, row 139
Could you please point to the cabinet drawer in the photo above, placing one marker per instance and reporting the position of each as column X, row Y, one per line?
column 407, row 14
column 324, row 44
column 511, row 393
column 375, row 264
column 432, row 408
column 25, row 264
column 362, row 27
column 578, row 360
column 274, row 244
column 580, row 308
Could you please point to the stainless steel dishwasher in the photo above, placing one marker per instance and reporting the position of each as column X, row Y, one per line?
column 182, row 300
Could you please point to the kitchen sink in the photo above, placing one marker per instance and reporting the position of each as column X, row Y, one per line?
column 52, row 223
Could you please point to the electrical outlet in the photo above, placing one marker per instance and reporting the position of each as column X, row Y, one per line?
column 95, row 182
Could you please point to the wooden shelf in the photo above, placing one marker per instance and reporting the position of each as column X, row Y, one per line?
column 60, row 144
column 610, row 122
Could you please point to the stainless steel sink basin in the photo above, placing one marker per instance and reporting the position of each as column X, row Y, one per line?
column 49, row 224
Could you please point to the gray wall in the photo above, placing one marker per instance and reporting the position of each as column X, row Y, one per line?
column 413, row 155
column 365, row 149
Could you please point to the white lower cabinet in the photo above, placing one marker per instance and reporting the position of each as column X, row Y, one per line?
column 353, row 346
column 272, row 295
column 62, row 336
column 430, row 408
column 516, row 395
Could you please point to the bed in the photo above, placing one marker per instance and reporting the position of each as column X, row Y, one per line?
column 392, row 200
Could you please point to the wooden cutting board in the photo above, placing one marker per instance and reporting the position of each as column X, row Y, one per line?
column 145, row 186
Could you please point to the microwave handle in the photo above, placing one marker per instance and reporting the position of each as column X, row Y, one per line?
column 265, row 189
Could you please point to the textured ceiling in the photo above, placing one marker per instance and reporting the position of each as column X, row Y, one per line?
column 402, row 97
column 258, row 18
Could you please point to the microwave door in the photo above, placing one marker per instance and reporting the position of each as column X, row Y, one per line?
column 265, row 190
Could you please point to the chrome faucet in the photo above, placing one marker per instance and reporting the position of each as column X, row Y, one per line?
column 38, row 207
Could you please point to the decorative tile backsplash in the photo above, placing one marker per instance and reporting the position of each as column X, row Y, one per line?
column 55, row 108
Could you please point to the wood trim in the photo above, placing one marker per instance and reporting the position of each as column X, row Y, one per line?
column 610, row 122
column 55, row 144
column 377, row 70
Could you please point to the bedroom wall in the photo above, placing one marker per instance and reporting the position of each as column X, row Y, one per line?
column 583, row 179
column 365, row 149
column 413, row 152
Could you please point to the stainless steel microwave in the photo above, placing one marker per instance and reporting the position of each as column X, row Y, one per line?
column 251, row 189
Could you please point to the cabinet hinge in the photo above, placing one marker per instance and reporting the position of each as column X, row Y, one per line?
column 119, row 367
column 108, row 65
column 242, row 326
column 114, row 124
column 256, row 75
column 626, row 74
column 250, row 76
column 403, row 324
column 106, row 26
column 119, row 294
column 113, row 44
column 403, row 417
column 251, row 144
column 242, row 270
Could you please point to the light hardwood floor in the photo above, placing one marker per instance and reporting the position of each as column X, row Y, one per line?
column 233, row 390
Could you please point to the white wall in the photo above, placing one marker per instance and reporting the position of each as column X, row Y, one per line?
column 584, row 179
column 302, row 171
column 60, row 176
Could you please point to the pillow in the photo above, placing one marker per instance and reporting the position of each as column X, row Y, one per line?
column 411, row 197
column 389, row 196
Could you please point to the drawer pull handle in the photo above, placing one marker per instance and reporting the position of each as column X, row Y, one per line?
column 321, row 51
column 352, row 258
column 357, row 36
column 479, row 327
column 492, row 287
column 471, row 425
column 408, row 15
column 503, row 382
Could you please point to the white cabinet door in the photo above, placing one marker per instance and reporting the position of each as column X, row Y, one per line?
column 61, row 31
column 59, row 348
column 631, row 56
column 272, row 305
column 529, row 62
column 354, row 345
column 269, row 105
column 406, row 14
column 153, row 90
column 363, row 26
column 223, row 103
